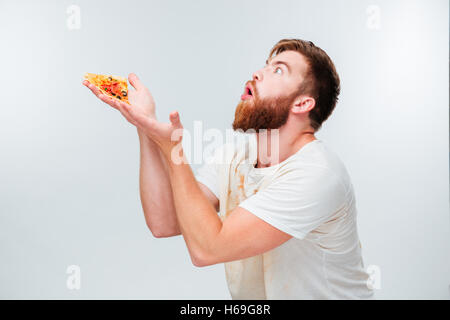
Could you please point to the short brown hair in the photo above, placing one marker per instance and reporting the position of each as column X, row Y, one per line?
column 321, row 79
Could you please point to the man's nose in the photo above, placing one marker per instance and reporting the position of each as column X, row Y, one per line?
column 257, row 76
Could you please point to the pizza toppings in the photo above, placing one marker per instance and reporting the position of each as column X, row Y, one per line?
column 112, row 86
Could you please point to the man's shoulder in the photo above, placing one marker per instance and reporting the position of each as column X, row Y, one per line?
column 318, row 161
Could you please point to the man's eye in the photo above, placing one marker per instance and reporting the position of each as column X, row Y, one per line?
column 278, row 68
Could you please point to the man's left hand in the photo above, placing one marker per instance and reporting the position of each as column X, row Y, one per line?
column 166, row 135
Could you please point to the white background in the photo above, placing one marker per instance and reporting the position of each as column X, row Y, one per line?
column 69, row 164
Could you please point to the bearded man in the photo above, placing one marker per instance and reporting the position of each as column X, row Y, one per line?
column 284, row 224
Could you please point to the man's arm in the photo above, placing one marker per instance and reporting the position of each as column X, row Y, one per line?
column 156, row 191
column 208, row 240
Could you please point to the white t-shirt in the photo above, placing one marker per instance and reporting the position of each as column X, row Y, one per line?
column 309, row 196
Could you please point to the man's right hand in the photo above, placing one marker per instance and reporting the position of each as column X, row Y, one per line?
column 139, row 98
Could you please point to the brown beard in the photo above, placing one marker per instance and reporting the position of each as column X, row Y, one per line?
column 268, row 113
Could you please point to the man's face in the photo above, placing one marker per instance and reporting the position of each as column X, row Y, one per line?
column 268, row 98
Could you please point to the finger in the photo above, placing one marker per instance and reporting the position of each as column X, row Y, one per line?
column 105, row 98
column 108, row 100
column 93, row 88
column 116, row 104
column 135, row 82
column 175, row 119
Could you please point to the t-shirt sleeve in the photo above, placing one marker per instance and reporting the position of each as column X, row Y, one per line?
column 298, row 201
column 209, row 172
column 208, row 175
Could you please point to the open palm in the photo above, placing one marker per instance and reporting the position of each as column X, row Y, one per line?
column 141, row 113
column 140, row 97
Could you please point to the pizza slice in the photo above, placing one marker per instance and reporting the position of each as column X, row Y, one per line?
column 113, row 86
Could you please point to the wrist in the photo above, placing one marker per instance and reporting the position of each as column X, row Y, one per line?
column 175, row 155
column 144, row 139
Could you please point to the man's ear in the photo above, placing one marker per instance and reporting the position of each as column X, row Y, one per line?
column 303, row 104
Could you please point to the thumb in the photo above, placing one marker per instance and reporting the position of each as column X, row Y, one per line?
column 135, row 82
column 175, row 119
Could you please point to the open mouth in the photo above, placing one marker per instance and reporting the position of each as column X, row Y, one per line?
column 248, row 92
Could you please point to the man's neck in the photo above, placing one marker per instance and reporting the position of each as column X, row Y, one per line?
column 274, row 148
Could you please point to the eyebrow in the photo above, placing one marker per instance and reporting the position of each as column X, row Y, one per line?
column 280, row 62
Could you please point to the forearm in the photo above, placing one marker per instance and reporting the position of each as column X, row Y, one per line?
column 197, row 218
column 155, row 190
